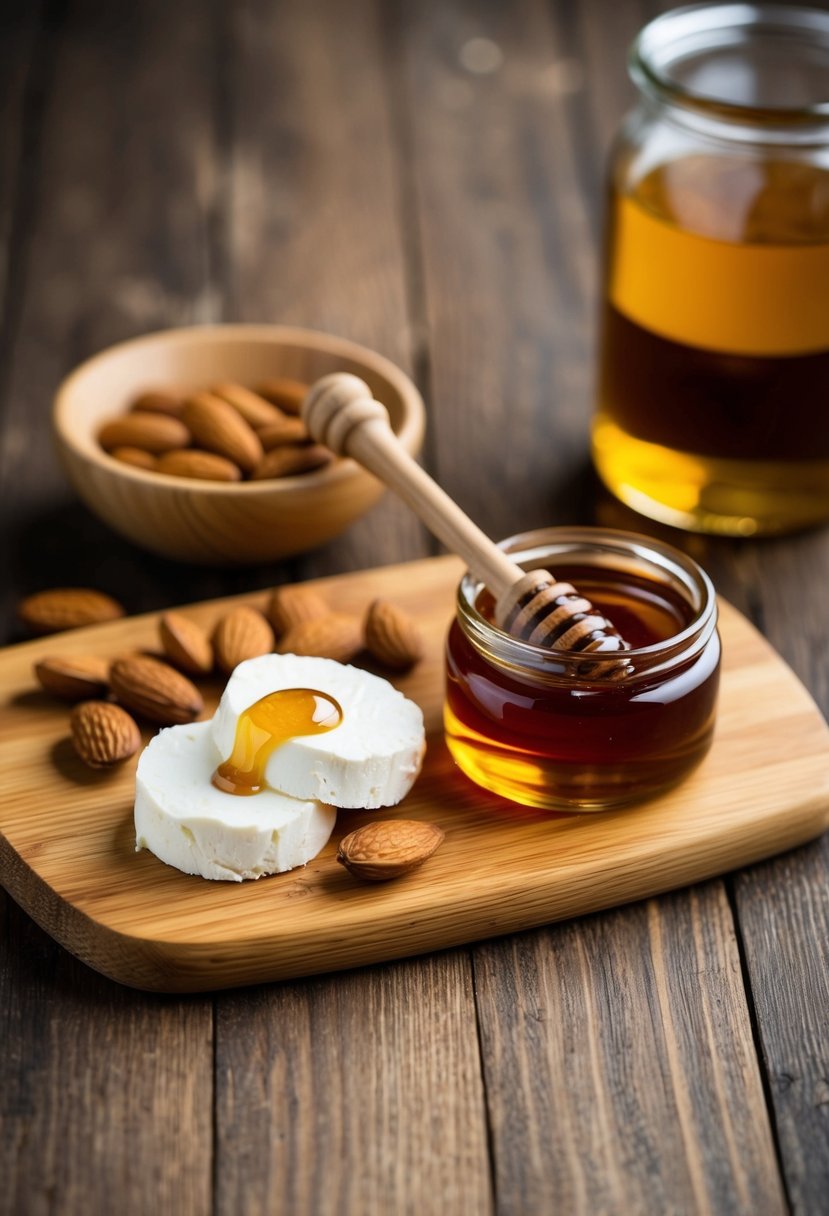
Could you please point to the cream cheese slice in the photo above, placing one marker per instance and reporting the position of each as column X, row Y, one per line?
column 370, row 760
column 188, row 823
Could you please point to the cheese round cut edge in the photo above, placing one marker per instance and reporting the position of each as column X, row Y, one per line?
column 188, row 823
column 370, row 760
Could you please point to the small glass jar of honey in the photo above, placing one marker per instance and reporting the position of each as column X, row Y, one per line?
column 538, row 727
column 714, row 358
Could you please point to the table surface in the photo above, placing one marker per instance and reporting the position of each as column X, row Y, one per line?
column 373, row 170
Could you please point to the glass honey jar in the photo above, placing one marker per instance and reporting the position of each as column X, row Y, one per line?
column 538, row 727
column 713, row 388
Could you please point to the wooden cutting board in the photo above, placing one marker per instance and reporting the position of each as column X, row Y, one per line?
column 66, row 834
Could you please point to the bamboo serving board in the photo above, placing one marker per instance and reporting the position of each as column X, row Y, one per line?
column 67, row 841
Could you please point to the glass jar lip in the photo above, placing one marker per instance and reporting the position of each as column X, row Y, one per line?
column 725, row 19
column 607, row 541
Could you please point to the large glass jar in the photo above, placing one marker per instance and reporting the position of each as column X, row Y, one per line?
column 543, row 727
column 713, row 395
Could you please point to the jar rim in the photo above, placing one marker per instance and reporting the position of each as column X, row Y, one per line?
column 643, row 661
column 699, row 28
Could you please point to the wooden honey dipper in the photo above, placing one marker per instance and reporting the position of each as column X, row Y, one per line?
column 341, row 412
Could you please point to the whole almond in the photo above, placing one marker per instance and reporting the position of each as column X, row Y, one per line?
column 387, row 848
column 334, row 636
column 287, row 394
column 287, row 430
column 142, row 429
column 103, row 734
column 186, row 644
column 217, row 426
column 243, row 633
column 255, row 410
column 159, row 401
column 73, row 677
column 138, row 458
column 155, row 690
column 201, row 466
column 291, row 461
column 392, row 636
column 67, row 608
column 293, row 604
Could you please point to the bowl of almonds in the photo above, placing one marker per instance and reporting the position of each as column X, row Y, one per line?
column 190, row 443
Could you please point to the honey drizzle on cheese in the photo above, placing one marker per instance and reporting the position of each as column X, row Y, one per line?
column 266, row 725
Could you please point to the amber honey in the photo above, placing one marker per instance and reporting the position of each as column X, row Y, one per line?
column 265, row 726
column 525, row 723
column 714, row 374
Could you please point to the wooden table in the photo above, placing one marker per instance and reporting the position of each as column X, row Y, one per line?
column 375, row 170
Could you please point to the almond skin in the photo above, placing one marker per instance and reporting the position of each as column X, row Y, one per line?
column 155, row 690
column 158, row 401
column 142, row 429
column 186, row 644
column 73, row 677
column 136, row 457
column 388, row 848
column 392, row 636
column 217, row 426
column 201, row 466
column 67, row 608
column 290, row 460
column 283, row 392
column 255, row 410
column 287, row 430
column 243, row 633
column 334, row 636
column 103, row 734
column 292, row 605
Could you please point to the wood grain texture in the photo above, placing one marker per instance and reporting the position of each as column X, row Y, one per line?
column 629, row 1082
column 375, row 1074
column 103, row 1092
column 66, row 850
column 313, row 228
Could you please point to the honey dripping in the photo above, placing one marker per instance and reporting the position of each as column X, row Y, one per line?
column 265, row 726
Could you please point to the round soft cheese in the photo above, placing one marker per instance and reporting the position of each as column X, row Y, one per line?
column 188, row 823
column 371, row 759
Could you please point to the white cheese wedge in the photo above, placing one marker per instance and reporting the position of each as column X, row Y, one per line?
column 182, row 818
column 370, row 760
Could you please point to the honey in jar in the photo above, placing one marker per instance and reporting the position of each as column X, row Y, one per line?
column 713, row 393
column 531, row 725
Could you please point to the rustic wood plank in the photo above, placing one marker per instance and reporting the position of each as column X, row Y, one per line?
column 315, row 229
column 627, row 1081
column 105, row 1094
column 354, row 1094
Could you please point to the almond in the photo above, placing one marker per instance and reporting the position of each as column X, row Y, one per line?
column 158, row 401
column 243, row 633
column 290, row 461
column 186, row 644
column 334, row 636
column 155, row 689
column 255, row 410
column 392, row 636
column 150, row 432
column 293, row 604
column 287, row 394
column 202, row 466
column 103, row 733
column 388, row 848
column 219, row 428
column 288, row 430
column 138, row 458
column 67, row 608
column 73, row 677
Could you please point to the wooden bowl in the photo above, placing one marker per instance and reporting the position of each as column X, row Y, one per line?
column 214, row 522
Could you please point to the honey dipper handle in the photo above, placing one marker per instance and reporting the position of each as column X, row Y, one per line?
column 340, row 412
